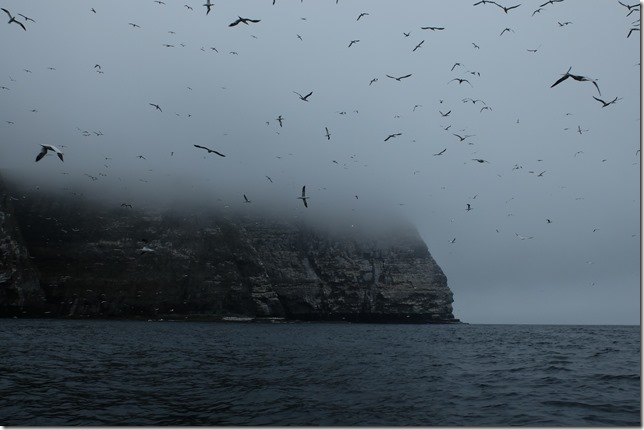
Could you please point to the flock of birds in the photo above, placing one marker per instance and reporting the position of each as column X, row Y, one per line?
column 307, row 96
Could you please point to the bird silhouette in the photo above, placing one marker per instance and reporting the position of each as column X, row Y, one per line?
column 208, row 5
column 246, row 199
column 460, row 81
column 303, row 197
column 26, row 18
column 45, row 149
column 506, row 9
column 604, row 104
column 432, row 28
column 462, row 138
column 418, row 46
column 441, row 152
column 352, row 42
column 156, row 106
column 209, row 150
column 328, row 135
column 445, row 114
column 392, row 136
column 304, row 98
column 13, row 19
column 506, row 29
column 399, row 78
column 280, row 119
column 244, row 20
column 361, row 15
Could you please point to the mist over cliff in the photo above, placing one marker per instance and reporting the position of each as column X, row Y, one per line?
column 70, row 255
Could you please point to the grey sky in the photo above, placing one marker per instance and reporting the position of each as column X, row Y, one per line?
column 583, row 267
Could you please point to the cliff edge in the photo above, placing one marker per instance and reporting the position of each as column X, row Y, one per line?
column 61, row 257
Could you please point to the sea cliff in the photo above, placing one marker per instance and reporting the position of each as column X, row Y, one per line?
column 62, row 257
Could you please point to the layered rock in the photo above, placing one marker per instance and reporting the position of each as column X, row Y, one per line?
column 89, row 262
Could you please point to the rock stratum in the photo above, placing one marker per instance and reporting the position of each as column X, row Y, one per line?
column 61, row 257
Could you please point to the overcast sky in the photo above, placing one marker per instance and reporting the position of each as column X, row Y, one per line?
column 550, row 153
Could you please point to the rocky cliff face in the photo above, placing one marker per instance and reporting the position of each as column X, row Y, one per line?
column 62, row 258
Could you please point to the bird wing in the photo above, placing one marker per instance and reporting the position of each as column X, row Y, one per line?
column 60, row 155
column 307, row 96
column 596, row 86
column 560, row 80
column 303, row 191
column 512, row 7
column 232, row 24
column 7, row 12
column 201, row 147
column 218, row 153
column 406, row 76
column 42, row 153
column 305, row 204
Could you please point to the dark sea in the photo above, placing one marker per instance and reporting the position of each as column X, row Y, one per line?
column 72, row 372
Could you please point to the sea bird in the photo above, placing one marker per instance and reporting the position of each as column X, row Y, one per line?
column 246, row 199
column 46, row 148
column 352, row 42
column 304, row 98
column 244, row 20
column 577, row 78
column 506, row 9
column 208, row 6
column 328, row 135
column 13, row 19
column 209, row 150
column 280, row 119
column 418, row 46
column 156, row 106
column 399, row 78
column 460, row 81
column 392, row 135
column 361, row 15
column 604, row 104
column 303, row 197
column 441, row 153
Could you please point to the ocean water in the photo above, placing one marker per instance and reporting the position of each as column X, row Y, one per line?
column 62, row 372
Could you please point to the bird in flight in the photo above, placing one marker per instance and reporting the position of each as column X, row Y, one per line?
column 303, row 197
column 208, row 6
column 392, row 135
column 480, row 160
column 506, row 9
column 372, row 81
column 304, row 98
column 418, row 46
column 46, row 148
column 604, row 104
column 353, row 41
column 246, row 199
column 521, row 237
column 445, row 114
column 432, row 28
column 156, row 106
column 629, row 7
column 563, row 24
column 361, row 15
column 328, row 135
column 469, row 207
column 209, row 150
column 577, row 78
column 244, row 20
column 460, row 81
column 441, row 153
column 463, row 137
column 627, row 36
column 280, row 119
column 13, row 19
column 506, row 29
column 399, row 78
column 134, row 25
